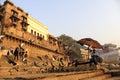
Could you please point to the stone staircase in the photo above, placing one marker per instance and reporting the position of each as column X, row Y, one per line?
column 94, row 75
column 28, row 72
column 86, row 75
column 34, row 74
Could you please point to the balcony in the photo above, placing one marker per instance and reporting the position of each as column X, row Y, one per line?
column 14, row 24
column 24, row 24
column 14, row 18
column 24, row 28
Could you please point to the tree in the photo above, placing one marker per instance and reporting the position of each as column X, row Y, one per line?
column 72, row 48
column 109, row 45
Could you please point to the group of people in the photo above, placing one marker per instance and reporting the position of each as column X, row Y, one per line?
column 19, row 52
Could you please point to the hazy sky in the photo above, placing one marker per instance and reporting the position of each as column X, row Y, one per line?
column 98, row 19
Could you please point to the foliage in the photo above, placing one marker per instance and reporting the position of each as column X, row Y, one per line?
column 71, row 46
column 109, row 45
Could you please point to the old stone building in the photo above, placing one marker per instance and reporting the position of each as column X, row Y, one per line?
column 17, row 27
column 36, row 28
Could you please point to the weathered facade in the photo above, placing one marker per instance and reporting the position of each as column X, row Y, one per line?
column 18, row 27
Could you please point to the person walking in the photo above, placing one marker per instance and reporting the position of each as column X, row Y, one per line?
column 16, row 52
column 21, row 51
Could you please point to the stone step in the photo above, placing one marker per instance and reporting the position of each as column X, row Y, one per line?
column 10, row 71
column 115, row 73
column 58, row 76
column 114, row 78
column 13, row 73
column 74, row 76
column 102, row 77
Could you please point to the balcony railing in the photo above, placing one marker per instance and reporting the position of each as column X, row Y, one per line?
column 24, row 24
column 14, row 24
column 14, row 18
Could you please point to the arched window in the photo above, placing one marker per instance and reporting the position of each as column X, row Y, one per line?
column 37, row 34
column 43, row 37
column 34, row 32
column 31, row 31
